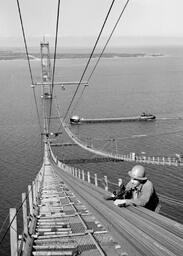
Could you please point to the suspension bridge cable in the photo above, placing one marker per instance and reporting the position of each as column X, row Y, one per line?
column 25, row 43
column 28, row 59
column 103, row 49
column 125, row 6
column 54, row 61
column 90, row 57
column 37, row 110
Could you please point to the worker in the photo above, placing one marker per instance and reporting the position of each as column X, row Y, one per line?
column 140, row 191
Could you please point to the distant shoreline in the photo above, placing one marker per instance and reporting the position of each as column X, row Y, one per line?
column 10, row 55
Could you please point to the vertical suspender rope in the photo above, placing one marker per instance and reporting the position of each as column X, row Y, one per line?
column 54, row 62
column 104, row 49
column 89, row 59
column 30, row 70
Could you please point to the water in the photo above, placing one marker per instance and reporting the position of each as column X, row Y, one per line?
column 124, row 86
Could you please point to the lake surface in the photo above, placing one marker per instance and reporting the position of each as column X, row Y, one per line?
column 120, row 86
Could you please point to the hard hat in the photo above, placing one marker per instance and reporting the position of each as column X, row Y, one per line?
column 138, row 173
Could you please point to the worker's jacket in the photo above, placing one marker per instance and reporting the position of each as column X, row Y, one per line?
column 143, row 195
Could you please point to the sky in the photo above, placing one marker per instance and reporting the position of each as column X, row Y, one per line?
column 84, row 18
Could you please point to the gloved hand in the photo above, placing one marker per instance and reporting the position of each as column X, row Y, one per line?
column 111, row 197
column 120, row 202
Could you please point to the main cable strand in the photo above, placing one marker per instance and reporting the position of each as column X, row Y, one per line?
column 28, row 59
column 37, row 110
column 119, row 18
column 54, row 61
column 82, row 92
column 88, row 62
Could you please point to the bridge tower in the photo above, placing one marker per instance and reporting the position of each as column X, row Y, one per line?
column 46, row 68
column 46, row 76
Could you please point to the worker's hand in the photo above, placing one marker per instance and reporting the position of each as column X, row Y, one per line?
column 111, row 197
column 120, row 202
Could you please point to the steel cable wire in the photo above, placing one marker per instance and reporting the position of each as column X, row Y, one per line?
column 100, row 54
column 37, row 110
column 88, row 62
column 28, row 59
column 25, row 43
column 103, row 50
column 125, row 6
column 54, row 61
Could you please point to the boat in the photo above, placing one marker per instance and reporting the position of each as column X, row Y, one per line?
column 147, row 117
column 143, row 117
column 75, row 120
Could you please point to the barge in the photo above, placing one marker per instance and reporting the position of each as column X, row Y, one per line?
column 143, row 117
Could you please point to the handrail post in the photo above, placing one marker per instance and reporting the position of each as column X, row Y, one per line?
column 96, row 181
column 133, row 157
column 34, row 193
column 36, row 187
column 106, row 183
column 120, row 181
column 88, row 177
column 79, row 174
column 13, row 232
column 163, row 161
column 30, row 200
column 24, row 209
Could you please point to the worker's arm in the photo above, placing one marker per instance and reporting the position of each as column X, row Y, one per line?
column 116, row 194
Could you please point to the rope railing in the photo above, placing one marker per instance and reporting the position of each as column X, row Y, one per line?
column 131, row 157
column 104, row 182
